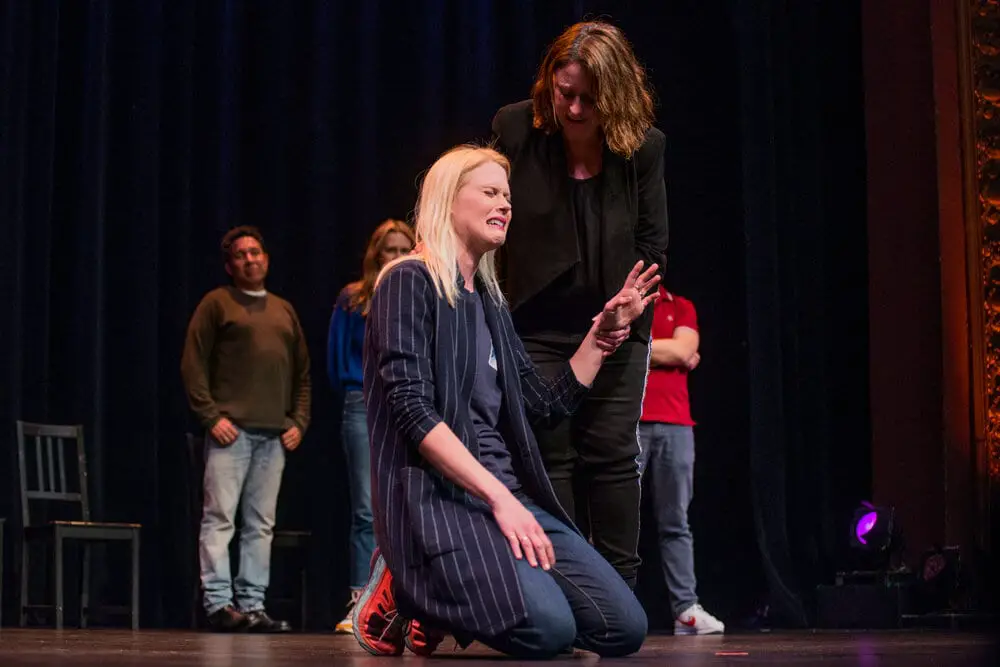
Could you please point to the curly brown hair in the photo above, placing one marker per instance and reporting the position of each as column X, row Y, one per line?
column 361, row 291
column 624, row 99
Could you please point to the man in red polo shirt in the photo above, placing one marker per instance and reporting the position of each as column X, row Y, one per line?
column 666, row 439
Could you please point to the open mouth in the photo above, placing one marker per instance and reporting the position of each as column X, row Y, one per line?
column 498, row 223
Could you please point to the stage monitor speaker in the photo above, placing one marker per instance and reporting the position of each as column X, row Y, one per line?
column 868, row 606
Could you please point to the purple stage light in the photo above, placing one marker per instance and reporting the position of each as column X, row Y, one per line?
column 864, row 526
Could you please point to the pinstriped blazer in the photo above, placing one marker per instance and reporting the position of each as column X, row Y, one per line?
column 450, row 563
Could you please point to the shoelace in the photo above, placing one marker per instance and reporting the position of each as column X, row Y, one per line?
column 393, row 618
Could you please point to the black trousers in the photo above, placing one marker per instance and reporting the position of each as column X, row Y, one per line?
column 591, row 457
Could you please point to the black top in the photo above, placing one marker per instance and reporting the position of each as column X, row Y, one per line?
column 561, row 311
column 486, row 401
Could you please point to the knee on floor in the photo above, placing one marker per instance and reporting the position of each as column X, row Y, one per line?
column 624, row 637
column 555, row 634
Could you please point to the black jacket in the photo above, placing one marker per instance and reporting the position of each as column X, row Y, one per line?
column 541, row 242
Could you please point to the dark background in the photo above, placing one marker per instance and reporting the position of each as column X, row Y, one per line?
column 132, row 135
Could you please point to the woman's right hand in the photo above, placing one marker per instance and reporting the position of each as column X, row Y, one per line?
column 527, row 538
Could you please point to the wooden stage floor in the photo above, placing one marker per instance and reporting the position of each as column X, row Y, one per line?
column 110, row 648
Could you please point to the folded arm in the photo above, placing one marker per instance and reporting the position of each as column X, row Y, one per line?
column 676, row 351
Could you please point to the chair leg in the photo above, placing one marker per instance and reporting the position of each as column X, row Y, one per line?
column 135, row 580
column 1, row 574
column 23, row 602
column 303, row 598
column 57, row 578
column 85, row 586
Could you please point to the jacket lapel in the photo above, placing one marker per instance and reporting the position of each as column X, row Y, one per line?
column 614, row 234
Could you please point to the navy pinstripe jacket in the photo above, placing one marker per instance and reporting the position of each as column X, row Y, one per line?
column 450, row 562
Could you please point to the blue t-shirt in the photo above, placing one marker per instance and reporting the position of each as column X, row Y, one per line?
column 485, row 405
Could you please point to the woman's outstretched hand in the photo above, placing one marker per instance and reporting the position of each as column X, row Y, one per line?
column 638, row 292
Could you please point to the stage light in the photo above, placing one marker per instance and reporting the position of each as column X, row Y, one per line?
column 864, row 526
column 874, row 529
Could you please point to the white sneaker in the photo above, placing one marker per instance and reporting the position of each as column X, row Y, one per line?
column 346, row 626
column 696, row 621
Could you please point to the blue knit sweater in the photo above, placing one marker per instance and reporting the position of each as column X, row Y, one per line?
column 344, row 346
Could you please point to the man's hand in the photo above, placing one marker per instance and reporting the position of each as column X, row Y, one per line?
column 526, row 536
column 224, row 433
column 291, row 438
column 693, row 362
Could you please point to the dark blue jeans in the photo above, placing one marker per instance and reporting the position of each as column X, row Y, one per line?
column 357, row 452
column 582, row 601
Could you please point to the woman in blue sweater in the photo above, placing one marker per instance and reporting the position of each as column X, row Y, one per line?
column 391, row 239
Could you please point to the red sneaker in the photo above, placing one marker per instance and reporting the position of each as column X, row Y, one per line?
column 377, row 625
column 423, row 640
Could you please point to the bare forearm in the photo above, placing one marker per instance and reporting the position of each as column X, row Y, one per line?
column 671, row 352
column 442, row 448
column 587, row 360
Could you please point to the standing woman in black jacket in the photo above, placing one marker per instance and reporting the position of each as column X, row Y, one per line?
column 587, row 185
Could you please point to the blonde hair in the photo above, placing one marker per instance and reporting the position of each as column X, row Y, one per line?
column 361, row 291
column 623, row 98
column 437, row 243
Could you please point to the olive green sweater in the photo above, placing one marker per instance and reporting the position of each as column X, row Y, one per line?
column 245, row 358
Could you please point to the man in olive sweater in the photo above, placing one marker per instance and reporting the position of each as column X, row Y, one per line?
column 246, row 371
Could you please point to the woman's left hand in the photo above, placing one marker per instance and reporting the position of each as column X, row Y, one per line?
column 608, row 341
column 638, row 292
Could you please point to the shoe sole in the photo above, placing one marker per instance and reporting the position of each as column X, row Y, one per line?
column 691, row 632
column 377, row 570
column 422, row 653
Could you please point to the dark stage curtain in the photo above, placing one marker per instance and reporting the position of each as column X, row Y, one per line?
column 133, row 134
column 806, row 287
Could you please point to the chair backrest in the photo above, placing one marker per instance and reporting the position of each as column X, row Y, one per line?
column 43, row 461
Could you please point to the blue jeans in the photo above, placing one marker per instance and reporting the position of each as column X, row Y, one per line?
column 248, row 470
column 582, row 601
column 667, row 450
column 357, row 451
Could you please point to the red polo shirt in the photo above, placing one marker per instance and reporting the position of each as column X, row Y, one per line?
column 666, row 398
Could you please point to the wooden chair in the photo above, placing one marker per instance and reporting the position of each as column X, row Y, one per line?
column 41, row 448
column 292, row 540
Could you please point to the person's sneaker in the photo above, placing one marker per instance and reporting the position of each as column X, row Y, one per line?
column 227, row 619
column 259, row 621
column 423, row 640
column 696, row 621
column 378, row 627
column 346, row 626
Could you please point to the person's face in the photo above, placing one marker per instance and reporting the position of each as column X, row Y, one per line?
column 481, row 210
column 573, row 102
column 247, row 263
column 395, row 244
